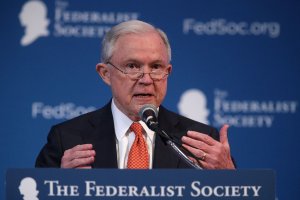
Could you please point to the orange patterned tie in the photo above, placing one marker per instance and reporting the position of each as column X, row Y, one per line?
column 138, row 157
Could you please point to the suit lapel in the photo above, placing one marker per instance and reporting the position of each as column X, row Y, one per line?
column 103, row 139
column 164, row 157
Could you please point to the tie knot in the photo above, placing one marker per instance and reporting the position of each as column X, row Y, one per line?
column 137, row 128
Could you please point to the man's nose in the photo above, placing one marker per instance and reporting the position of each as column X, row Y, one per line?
column 146, row 78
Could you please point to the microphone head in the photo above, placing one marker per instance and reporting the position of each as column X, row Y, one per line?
column 148, row 107
column 148, row 114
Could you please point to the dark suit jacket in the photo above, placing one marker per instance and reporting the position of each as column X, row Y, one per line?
column 97, row 128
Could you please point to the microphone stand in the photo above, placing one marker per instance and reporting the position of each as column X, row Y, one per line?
column 154, row 127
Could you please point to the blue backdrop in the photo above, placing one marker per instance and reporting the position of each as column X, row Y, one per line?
column 241, row 58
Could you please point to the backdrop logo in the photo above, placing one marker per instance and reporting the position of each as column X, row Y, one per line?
column 69, row 21
column 192, row 104
column 249, row 113
column 235, row 112
column 86, row 24
column 62, row 111
column 33, row 17
column 223, row 27
column 28, row 189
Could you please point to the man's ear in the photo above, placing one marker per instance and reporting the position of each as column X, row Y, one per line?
column 103, row 72
column 169, row 68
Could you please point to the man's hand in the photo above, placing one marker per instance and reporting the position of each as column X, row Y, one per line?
column 80, row 156
column 212, row 154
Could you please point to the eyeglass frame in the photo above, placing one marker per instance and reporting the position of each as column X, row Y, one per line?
column 165, row 75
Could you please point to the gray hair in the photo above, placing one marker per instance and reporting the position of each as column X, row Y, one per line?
column 133, row 26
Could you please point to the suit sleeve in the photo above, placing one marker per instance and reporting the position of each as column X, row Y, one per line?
column 51, row 154
column 214, row 133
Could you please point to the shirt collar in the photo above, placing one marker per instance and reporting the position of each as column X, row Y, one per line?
column 122, row 122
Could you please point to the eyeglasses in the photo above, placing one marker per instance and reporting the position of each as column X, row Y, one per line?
column 134, row 71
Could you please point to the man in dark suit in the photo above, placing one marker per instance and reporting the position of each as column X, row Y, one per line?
column 135, row 64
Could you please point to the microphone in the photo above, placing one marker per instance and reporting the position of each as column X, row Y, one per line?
column 148, row 114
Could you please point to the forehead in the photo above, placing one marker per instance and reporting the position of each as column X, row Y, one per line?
column 141, row 45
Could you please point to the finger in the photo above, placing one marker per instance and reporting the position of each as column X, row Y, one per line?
column 196, row 152
column 223, row 134
column 205, row 164
column 195, row 161
column 76, row 148
column 72, row 157
column 202, row 164
column 69, row 156
column 194, row 143
column 82, row 154
column 78, row 162
column 82, row 147
column 201, row 137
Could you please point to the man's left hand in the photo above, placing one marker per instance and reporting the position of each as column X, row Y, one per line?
column 211, row 154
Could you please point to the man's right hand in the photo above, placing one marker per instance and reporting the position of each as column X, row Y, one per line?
column 80, row 156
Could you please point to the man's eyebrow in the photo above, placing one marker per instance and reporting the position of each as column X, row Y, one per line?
column 157, row 60
column 160, row 61
column 132, row 60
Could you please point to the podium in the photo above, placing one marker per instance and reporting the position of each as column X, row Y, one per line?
column 44, row 184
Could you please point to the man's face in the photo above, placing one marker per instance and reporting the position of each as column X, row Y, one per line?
column 147, row 50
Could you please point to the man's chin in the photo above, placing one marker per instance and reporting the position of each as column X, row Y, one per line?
column 140, row 101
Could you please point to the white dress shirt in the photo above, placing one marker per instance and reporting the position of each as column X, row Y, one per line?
column 125, row 137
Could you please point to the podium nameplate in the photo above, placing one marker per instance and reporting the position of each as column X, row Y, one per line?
column 44, row 184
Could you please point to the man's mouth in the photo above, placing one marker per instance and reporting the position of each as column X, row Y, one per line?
column 141, row 95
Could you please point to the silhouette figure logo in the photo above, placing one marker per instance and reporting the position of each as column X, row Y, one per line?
column 192, row 104
column 28, row 189
column 33, row 17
